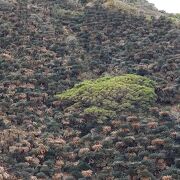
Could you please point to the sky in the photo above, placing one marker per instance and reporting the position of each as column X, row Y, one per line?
column 170, row 6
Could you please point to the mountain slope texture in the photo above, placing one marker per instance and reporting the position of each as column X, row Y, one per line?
column 89, row 90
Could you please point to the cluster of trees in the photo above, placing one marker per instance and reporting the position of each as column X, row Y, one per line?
column 109, row 96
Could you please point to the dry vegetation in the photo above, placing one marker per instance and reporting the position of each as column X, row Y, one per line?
column 46, row 48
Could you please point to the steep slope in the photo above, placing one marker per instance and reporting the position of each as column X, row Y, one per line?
column 46, row 47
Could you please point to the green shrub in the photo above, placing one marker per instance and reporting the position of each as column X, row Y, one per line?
column 109, row 96
column 60, row 12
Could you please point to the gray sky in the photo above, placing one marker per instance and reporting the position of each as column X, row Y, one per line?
column 171, row 6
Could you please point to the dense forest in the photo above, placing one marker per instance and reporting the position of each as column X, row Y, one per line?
column 89, row 90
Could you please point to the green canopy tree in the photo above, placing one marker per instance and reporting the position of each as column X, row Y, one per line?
column 106, row 97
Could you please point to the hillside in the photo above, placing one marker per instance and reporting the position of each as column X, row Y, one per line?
column 89, row 90
column 137, row 7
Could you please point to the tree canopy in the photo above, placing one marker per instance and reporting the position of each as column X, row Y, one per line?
column 111, row 95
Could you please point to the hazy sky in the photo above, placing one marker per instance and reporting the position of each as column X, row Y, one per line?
column 171, row 6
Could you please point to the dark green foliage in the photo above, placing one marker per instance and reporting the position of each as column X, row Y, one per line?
column 47, row 47
column 41, row 175
column 177, row 163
